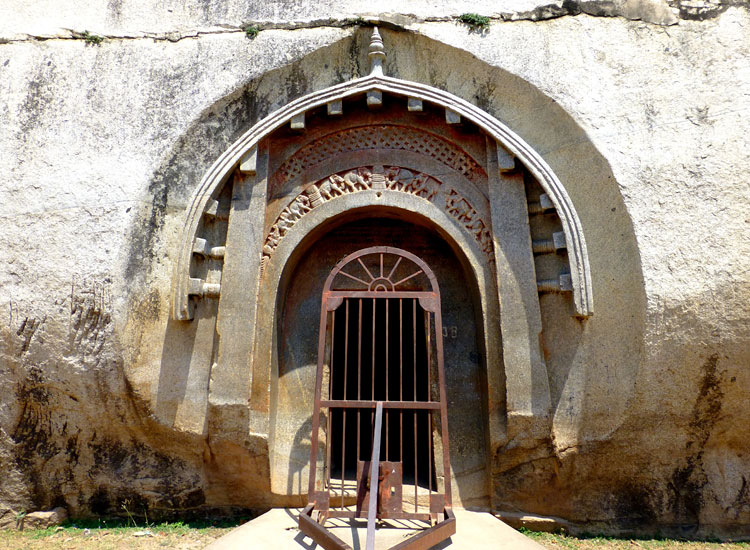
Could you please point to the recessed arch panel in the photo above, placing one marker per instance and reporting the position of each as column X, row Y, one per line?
column 282, row 274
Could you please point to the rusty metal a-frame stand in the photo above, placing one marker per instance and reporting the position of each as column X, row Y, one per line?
column 394, row 287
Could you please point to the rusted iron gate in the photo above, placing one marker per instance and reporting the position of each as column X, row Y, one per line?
column 385, row 390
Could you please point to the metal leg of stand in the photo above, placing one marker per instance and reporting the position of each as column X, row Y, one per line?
column 374, row 471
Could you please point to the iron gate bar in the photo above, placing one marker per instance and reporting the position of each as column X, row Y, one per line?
column 387, row 333
column 400, row 370
column 353, row 514
column 428, row 333
column 380, row 287
column 414, row 347
column 329, row 416
column 430, row 537
column 333, row 294
column 343, row 413
column 359, row 375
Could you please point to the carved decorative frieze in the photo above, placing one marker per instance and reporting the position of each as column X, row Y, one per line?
column 392, row 178
column 458, row 207
column 379, row 137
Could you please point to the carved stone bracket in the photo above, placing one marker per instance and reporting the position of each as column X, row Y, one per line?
column 380, row 178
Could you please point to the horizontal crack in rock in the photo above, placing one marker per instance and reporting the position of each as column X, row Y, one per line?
column 658, row 12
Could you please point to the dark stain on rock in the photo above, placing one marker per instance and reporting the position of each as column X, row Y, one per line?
column 147, row 309
column 484, row 94
column 143, row 236
column 71, row 450
column 33, row 434
column 634, row 507
column 353, row 68
column 742, row 499
column 99, row 503
column 688, row 480
column 114, row 10
column 297, row 84
column 165, row 484
column 707, row 406
column 27, row 330
column 177, row 177
column 39, row 96
column 685, row 489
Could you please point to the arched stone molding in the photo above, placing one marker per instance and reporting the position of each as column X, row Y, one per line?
column 407, row 174
column 243, row 154
column 275, row 282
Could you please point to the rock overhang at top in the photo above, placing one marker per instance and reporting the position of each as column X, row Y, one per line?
column 131, row 19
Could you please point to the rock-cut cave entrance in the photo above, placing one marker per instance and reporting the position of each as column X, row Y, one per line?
column 380, row 305
column 400, row 328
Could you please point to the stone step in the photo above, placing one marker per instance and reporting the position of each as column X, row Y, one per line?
column 277, row 530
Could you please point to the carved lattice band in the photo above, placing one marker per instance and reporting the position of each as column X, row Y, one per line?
column 380, row 137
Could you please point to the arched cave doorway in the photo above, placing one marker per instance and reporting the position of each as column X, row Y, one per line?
column 465, row 374
column 415, row 155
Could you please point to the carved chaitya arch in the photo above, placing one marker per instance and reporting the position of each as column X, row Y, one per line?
column 243, row 154
column 402, row 151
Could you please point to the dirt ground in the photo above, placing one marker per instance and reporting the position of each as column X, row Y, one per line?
column 184, row 537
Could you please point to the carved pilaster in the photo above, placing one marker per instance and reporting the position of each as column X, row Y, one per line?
column 231, row 377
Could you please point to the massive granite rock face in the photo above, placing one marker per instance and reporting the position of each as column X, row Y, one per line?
column 638, row 106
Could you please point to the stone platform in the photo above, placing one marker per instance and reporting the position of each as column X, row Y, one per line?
column 277, row 530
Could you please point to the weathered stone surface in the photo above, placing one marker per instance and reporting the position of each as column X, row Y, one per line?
column 102, row 146
column 43, row 520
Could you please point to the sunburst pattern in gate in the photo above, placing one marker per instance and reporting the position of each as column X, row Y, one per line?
column 381, row 272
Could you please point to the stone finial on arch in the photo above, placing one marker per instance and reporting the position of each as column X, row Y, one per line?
column 242, row 154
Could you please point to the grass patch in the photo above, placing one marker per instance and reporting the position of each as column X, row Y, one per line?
column 119, row 534
column 251, row 31
column 91, row 39
column 475, row 22
column 600, row 542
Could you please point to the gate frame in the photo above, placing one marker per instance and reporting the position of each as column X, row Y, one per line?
column 330, row 301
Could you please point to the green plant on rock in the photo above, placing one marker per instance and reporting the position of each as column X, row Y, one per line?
column 475, row 22
column 91, row 39
column 251, row 31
